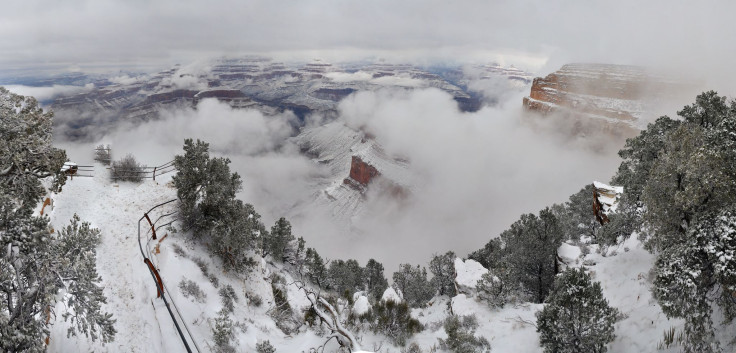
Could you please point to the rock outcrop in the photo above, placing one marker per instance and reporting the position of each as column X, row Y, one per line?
column 608, row 98
column 361, row 173
column 605, row 200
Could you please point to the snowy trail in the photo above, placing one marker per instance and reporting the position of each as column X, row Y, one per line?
column 115, row 210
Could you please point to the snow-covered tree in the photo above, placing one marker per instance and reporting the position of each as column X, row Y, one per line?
column 491, row 255
column 694, row 274
column 235, row 235
column 26, row 153
column 374, row 280
column 577, row 318
column 393, row 320
column 413, row 285
column 443, row 272
column 39, row 268
column 205, row 187
column 496, row 290
column 127, row 169
column 639, row 155
column 345, row 277
column 461, row 336
column 314, row 268
column 531, row 252
column 280, row 243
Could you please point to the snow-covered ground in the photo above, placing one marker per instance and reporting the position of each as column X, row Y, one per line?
column 144, row 325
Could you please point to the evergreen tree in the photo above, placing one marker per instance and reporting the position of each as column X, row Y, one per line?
column 687, row 272
column 38, row 268
column 205, row 187
column 373, row 279
column 443, row 272
column 639, row 155
column 461, row 336
column 26, row 153
column 345, row 277
column 315, row 267
column 491, row 255
column 413, row 285
column 393, row 320
column 279, row 243
column 236, row 234
column 531, row 252
column 577, row 318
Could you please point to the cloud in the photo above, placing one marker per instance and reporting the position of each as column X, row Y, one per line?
column 474, row 173
column 537, row 35
column 48, row 93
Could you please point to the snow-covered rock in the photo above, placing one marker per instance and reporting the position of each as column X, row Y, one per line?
column 606, row 200
column 468, row 273
column 569, row 255
column 390, row 294
column 361, row 305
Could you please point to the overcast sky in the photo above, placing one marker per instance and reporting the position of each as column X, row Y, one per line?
column 536, row 35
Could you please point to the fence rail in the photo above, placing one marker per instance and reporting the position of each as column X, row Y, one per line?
column 153, row 226
column 143, row 172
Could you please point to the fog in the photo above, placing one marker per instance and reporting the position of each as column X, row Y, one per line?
column 472, row 174
column 535, row 35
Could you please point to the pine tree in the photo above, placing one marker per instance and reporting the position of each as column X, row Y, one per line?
column 280, row 242
column 413, row 285
column 690, row 195
column 374, row 280
column 443, row 272
column 345, row 277
column 531, row 252
column 40, row 268
column 577, row 318
column 204, row 186
column 315, row 267
column 236, row 234
column 687, row 272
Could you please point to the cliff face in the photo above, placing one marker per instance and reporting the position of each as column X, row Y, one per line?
column 614, row 96
column 361, row 173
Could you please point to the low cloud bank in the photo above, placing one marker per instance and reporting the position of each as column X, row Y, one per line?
column 474, row 173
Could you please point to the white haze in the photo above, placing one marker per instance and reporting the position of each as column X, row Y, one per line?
column 48, row 93
column 475, row 172
column 536, row 35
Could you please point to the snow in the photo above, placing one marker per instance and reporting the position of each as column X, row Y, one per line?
column 361, row 305
column 390, row 294
column 608, row 196
column 67, row 166
column 569, row 254
column 144, row 325
column 469, row 272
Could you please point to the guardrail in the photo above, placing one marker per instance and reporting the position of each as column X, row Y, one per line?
column 167, row 218
column 144, row 172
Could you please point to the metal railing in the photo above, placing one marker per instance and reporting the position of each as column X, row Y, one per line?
column 143, row 172
column 160, row 286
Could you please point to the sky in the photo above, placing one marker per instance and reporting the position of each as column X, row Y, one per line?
column 535, row 35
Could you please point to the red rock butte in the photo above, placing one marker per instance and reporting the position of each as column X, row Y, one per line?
column 600, row 97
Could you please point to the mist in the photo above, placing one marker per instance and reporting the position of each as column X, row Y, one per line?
column 473, row 174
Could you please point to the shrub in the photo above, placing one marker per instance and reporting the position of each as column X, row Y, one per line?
column 222, row 332
column 191, row 289
column 461, row 336
column 393, row 320
column 228, row 297
column 127, row 169
column 265, row 347
column 102, row 154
